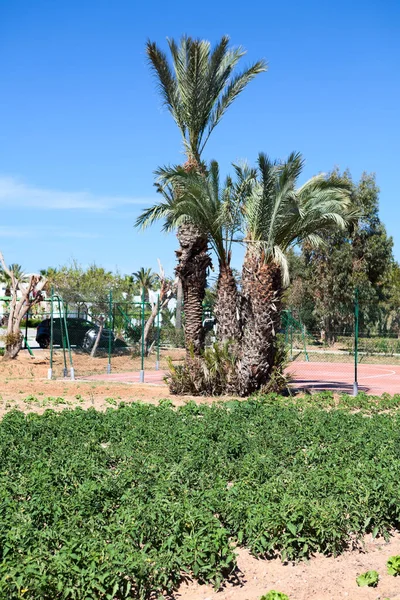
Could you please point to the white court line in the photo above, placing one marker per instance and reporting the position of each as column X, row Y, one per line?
column 380, row 375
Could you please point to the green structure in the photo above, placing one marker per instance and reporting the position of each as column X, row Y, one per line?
column 292, row 327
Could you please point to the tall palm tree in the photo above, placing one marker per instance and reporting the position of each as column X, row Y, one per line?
column 215, row 211
column 146, row 280
column 278, row 215
column 197, row 89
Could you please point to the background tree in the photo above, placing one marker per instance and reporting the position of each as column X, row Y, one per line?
column 197, row 89
column 146, row 280
column 361, row 257
column 88, row 289
column 18, row 273
column 25, row 292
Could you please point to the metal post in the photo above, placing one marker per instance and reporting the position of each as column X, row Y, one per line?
column 305, row 344
column 291, row 335
column 26, row 329
column 63, row 336
column 356, row 315
column 110, row 328
column 158, row 334
column 72, row 370
column 141, row 377
column 50, row 371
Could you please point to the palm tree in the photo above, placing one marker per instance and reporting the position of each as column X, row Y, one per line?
column 18, row 273
column 146, row 280
column 216, row 214
column 197, row 89
column 50, row 274
column 277, row 216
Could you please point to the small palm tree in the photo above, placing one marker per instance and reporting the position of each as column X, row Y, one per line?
column 197, row 88
column 215, row 211
column 278, row 215
column 146, row 280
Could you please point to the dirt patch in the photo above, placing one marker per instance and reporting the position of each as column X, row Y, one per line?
column 24, row 384
column 320, row 578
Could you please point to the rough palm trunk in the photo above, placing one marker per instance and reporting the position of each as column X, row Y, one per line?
column 193, row 262
column 227, row 307
column 260, row 311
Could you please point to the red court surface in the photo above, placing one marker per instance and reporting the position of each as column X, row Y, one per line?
column 317, row 376
column 372, row 379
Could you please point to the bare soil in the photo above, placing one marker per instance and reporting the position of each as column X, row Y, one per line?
column 320, row 578
column 24, row 385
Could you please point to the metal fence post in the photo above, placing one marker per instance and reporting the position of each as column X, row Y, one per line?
column 50, row 371
column 141, row 377
column 356, row 315
column 158, row 334
column 110, row 327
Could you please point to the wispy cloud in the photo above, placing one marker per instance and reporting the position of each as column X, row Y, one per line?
column 40, row 232
column 17, row 194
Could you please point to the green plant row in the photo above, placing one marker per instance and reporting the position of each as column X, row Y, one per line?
column 122, row 504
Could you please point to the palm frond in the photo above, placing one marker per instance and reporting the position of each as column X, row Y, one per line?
column 197, row 86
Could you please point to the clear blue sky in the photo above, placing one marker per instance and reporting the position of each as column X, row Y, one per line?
column 82, row 128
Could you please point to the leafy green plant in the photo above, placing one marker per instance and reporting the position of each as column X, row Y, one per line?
column 273, row 595
column 370, row 579
column 393, row 565
column 212, row 374
column 124, row 503
column 111, row 401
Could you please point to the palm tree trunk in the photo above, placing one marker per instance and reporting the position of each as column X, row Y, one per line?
column 227, row 306
column 193, row 262
column 260, row 311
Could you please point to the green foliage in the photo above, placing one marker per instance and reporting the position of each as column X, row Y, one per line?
column 199, row 86
column 211, row 374
column 372, row 344
column 172, row 337
column 370, row 579
column 278, row 381
column 393, row 565
column 273, row 595
column 78, row 286
column 323, row 280
column 123, row 503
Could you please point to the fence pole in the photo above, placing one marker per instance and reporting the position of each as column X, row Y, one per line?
column 158, row 334
column 63, row 335
column 26, row 329
column 291, row 335
column 110, row 327
column 50, row 371
column 356, row 315
column 141, row 377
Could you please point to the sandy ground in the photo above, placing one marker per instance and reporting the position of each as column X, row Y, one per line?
column 320, row 578
column 24, row 385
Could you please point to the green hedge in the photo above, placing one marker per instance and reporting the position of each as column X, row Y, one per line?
column 372, row 345
column 121, row 504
